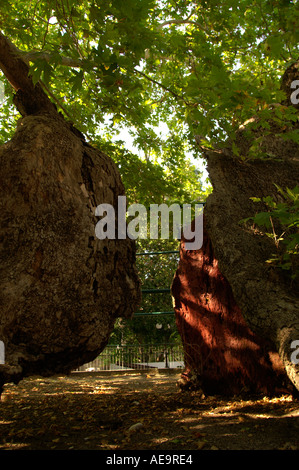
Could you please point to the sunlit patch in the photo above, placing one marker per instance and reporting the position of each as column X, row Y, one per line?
column 96, row 412
column 13, row 446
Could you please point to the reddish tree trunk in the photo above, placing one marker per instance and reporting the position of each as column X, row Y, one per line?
column 222, row 355
column 234, row 309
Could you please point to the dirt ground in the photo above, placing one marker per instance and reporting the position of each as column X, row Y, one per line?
column 96, row 412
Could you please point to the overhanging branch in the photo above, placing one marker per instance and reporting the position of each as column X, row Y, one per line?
column 48, row 57
column 173, row 93
column 29, row 98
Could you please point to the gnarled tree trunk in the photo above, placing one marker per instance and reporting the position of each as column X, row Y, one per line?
column 222, row 355
column 267, row 299
column 259, row 302
column 61, row 287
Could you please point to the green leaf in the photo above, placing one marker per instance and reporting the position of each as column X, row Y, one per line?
column 275, row 44
column 36, row 71
column 262, row 219
column 77, row 80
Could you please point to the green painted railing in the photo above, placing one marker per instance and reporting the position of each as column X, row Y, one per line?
column 156, row 291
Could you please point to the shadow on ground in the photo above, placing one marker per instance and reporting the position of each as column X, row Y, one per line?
column 140, row 411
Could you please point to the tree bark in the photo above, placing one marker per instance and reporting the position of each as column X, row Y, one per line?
column 263, row 296
column 61, row 287
column 29, row 98
column 222, row 355
column 268, row 300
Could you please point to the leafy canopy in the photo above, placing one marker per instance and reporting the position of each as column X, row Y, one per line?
column 201, row 67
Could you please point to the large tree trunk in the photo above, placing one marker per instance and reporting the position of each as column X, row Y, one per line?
column 222, row 355
column 267, row 298
column 245, row 290
column 61, row 287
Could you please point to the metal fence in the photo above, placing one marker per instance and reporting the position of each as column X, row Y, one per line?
column 169, row 356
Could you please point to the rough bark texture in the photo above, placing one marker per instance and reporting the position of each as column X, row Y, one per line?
column 268, row 300
column 264, row 297
column 61, row 287
column 222, row 355
column 29, row 98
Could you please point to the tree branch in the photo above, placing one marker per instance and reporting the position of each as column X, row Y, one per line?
column 173, row 93
column 29, row 98
column 47, row 56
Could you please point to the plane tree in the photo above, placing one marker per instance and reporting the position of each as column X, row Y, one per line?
column 197, row 71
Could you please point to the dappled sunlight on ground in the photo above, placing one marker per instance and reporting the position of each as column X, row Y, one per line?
column 94, row 411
